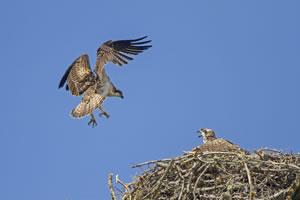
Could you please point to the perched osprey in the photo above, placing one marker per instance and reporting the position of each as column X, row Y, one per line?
column 80, row 78
column 212, row 143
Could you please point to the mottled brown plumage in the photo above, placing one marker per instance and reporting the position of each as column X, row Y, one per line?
column 113, row 51
column 90, row 101
column 212, row 143
column 80, row 78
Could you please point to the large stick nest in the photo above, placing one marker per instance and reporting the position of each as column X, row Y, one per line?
column 267, row 174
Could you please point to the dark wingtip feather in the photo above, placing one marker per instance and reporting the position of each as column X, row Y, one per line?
column 135, row 43
column 139, row 47
column 138, row 39
column 124, row 56
column 64, row 78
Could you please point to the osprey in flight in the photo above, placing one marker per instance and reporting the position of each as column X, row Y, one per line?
column 212, row 143
column 80, row 78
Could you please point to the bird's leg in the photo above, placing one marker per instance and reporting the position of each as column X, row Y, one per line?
column 92, row 121
column 103, row 112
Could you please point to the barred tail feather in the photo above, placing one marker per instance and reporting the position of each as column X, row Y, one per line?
column 86, row 108
column 81, row 110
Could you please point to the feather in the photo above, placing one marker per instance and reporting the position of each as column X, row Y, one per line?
column 110, row 51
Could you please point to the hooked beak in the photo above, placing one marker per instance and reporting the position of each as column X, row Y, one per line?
column 199, row 131
column 122, row 97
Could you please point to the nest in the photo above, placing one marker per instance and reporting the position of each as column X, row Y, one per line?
column 267, row 174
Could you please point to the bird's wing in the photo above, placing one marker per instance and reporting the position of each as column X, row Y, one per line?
column 91, row 100
column 115, row 50
column 79, row 76
column 225, row 145
column 218, row 145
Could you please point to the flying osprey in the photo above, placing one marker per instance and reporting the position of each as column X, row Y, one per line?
column 212, row 143
column 80, row 78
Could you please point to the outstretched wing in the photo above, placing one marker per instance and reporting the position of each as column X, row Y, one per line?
column 90, row 101
column 115, row 50
column 79, row 76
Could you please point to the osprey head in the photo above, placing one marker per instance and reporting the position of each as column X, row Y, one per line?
column 207, row 134
column 119, row 92
column 114, row 92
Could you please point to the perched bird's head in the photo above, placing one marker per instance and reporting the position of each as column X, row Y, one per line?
column 207, row 134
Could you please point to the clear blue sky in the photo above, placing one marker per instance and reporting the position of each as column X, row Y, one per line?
column 232, row 66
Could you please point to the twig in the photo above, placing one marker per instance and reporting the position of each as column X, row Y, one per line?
column 179, row 170
column 220, row 152
column 181, row 191
column 259, row 154
column 267, row 149
column 112, row 192
column 124, row 185
column 277, row 194
column 252, row 193
column 162, row 160
column 198, row 179
column 150, row 162
column 248, row 173
column 159, row 182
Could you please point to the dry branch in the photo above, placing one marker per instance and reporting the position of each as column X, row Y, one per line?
column 111, row 187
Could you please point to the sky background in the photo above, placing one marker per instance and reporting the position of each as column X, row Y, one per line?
column 232, row 66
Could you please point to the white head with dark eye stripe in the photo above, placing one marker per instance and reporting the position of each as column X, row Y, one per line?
column 207, row 134
column 114, row 92
column 119, row 92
